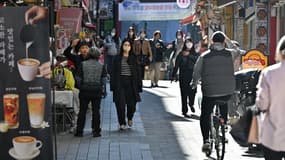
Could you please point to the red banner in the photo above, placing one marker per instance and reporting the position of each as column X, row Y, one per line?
column 70, row 18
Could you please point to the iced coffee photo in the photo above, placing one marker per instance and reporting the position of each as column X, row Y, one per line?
column 11, row 110
column 36, row 107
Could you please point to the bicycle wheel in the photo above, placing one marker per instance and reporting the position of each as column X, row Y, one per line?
column 220, row 141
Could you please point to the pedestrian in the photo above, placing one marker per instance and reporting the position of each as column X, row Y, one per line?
column 112, row 44
column 215, row 69
column 185, row 62
column 176, row 47
column 125, row 84
column 158, row 48
column 93, row 76
column 131, row 35
column 270, row 98
column 142, row 50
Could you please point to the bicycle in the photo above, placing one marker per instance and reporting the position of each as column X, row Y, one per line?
column 217, row 132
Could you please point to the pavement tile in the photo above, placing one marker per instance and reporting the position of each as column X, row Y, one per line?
column 159, row 132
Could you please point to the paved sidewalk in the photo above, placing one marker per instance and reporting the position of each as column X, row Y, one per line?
column 159, row 132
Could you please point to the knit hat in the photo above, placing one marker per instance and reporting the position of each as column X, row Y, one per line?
column 218, row 36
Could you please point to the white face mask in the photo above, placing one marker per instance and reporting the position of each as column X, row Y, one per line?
column 113, row 34
column 179, row 36
column 189, row 45
column 142, row 35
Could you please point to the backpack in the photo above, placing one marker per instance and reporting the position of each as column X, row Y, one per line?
column 59, row 79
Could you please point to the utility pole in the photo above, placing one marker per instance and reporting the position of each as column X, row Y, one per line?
column 98, row 17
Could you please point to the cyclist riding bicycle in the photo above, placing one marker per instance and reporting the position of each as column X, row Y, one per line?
column 215, row 69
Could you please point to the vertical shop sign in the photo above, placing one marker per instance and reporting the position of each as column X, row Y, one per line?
column 25, row 106
column 261, row 26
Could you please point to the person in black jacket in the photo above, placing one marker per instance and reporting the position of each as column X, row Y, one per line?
column 125, row 84
column 93, row 74
column 157, row 48
column 185, row 62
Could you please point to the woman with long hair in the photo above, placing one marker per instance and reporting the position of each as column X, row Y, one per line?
column 185, row 62
column 125, row 84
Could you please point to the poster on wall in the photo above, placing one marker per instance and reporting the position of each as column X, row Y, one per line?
column 25, row 105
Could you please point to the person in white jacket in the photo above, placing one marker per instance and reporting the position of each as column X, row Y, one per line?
column 270, row 98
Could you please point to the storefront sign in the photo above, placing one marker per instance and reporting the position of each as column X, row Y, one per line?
column 25, row 106
column 183, row 3
column 136, row 11
column 254, row 59
column 105, row 9
column 70, row 18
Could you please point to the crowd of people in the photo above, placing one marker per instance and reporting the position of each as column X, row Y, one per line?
column 125, row 62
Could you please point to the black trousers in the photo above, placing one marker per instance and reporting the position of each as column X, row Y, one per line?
column 84, row 101
column 208, row 104
column 142, row 70
column 270, row 154
column 187, row 95
column 126, row 99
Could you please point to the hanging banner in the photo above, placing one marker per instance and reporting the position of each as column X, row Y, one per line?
column 105, row 9
column 25, row 106
column 70, row 18
column 136, row 11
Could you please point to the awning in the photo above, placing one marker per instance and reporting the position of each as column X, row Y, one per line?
column 187, row 20
column 224, row 3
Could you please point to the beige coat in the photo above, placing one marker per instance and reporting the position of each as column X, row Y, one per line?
column 146, row 49
column 271, row 97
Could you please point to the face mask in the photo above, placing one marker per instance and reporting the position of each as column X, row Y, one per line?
column 189, row 45
column 179, row 37
column 113, row 34
column 131, row 33
column 142, row 35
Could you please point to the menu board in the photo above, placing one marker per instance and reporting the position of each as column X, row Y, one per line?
column 25, row 106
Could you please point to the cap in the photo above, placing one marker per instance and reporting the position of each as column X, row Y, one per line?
column 218, row 36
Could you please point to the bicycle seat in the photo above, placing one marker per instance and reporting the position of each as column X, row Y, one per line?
column 220, row 102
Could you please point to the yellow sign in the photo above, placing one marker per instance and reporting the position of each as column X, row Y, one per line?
column 254, row 59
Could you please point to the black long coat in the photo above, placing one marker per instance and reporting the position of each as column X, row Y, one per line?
column 115, row 81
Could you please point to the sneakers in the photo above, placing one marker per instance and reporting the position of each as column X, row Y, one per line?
column 186, row 115
column 206, row 146
column 123, row 127
column 130, row 123
column 96, row 134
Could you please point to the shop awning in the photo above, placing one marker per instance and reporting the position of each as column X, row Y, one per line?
column 187, row 20
column 224, row 3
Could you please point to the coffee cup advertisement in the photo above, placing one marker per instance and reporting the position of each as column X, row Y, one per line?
column 25, row 92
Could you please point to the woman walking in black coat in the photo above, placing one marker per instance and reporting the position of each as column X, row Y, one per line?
column 185, row 62
column 124, row 83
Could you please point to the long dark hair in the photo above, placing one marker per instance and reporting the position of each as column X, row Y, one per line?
column 128, row 34
column 122, row 49
column 192, row 50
